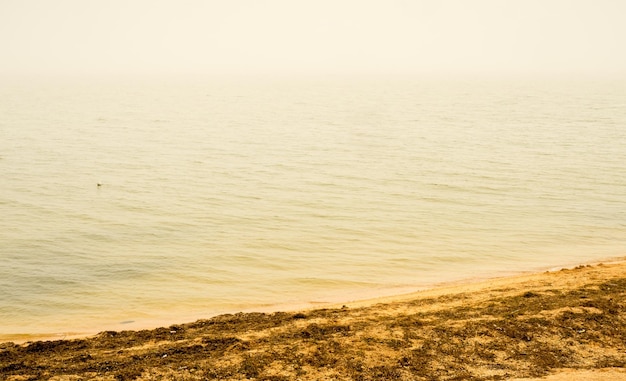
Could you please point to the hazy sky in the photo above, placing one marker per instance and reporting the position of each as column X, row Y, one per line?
column 313, row 37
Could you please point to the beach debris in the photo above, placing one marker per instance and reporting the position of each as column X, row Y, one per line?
column 434, row 338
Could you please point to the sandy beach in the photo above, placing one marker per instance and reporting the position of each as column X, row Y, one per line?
column 559, row 325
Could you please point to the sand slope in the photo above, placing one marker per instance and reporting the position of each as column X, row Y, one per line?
column 566, row 325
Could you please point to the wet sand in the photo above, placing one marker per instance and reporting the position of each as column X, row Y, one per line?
column 563, row 325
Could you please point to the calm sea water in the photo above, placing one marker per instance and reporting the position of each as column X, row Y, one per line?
column 222, row 197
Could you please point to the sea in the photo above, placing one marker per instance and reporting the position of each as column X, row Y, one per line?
column 137, row 204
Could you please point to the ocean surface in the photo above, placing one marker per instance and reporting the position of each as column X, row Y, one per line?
column 139, row 204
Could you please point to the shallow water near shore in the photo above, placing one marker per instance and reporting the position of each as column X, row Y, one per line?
column 127, row 204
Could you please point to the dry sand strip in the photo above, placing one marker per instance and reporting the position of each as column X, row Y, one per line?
column 562, row 325
column 608, row 374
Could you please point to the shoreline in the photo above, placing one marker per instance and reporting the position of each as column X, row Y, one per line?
column 568, row 322
column 355, row 298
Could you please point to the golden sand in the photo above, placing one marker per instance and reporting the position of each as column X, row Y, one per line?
column 562, row 325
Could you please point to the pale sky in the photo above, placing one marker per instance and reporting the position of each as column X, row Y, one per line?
column 212, row 38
